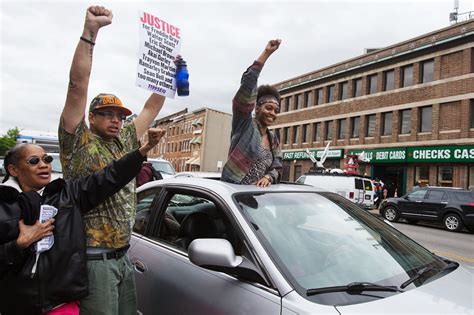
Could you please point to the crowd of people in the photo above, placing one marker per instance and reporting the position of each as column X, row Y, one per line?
column 86, row 270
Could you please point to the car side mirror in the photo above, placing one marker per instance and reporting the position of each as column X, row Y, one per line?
column 218, row 254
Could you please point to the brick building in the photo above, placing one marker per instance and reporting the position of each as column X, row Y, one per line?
column 195, row 141
column 409, row 106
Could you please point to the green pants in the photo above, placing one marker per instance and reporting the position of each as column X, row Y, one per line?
column 111, row 288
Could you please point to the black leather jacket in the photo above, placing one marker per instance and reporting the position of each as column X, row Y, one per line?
column 61, row 274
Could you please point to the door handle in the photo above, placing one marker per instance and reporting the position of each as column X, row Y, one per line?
column 444, row 202
column 139, row 266
column 418, row 201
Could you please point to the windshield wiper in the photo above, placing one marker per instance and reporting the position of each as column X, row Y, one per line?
column 354, row 288
column 424, row 271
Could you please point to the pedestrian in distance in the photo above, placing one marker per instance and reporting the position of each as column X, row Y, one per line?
column 36, row 279
column 84, row 150
column 254, row 155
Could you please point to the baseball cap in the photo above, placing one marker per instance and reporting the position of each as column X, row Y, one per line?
column 104, row 100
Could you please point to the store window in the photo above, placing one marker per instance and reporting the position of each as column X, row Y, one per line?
column 426, row 119
column 295, row 134
column 286, row 138
column 405, row 121
column 341, row 129
column 305, row 133
column 344, row 88
column 372, row 86
column 422, row 175
column 355, row 125
column 427, row 71
column 331, row 90
column 387, row 124
column 370, row 126
column 317, row 132
column 319, row 96
column 329, row 125
column 445, row 176
column 357, row 88
column 389, row 80
column 308, row 99
column 470, row 184
column 297, row 172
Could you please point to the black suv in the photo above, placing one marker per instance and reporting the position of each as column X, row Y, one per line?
column 453, row 207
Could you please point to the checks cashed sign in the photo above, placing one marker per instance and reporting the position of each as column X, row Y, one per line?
column 302, row 155
column 456, row 154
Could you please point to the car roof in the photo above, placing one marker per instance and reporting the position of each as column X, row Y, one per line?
column 199, row 174
column 221, row 187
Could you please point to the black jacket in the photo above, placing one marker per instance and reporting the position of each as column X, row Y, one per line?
column 61, row 274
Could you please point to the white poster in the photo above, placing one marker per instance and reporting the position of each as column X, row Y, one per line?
column 159, row 45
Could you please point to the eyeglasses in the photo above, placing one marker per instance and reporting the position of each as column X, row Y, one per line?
column 35, row 159
column 110, row 114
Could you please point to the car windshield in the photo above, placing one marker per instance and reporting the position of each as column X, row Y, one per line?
column 56, row 165
column 163, row 167
column 322, row 240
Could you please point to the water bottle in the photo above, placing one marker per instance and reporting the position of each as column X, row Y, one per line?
column 182, row 76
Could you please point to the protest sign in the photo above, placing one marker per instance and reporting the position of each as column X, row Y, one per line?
column 159, row 45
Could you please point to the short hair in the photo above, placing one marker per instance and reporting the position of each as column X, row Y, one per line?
column 12, row 157
column 264, row 90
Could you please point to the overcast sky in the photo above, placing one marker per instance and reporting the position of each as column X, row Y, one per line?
column 219, row 39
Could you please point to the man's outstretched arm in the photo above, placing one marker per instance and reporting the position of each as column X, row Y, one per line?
column 76, row 99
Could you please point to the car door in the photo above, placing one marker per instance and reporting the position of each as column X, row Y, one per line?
column 433, row 204
column 168, row 283
column 410, row 205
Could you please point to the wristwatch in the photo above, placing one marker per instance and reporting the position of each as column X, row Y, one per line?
column 268, row 177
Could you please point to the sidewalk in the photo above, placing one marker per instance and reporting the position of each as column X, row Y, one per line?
column 375, row 212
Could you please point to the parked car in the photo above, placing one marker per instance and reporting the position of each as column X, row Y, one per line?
column 163, row 166
column 453, row 207
column 357, row 189
column 202, row 246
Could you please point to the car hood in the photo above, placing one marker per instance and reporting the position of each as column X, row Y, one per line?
column 450, row 294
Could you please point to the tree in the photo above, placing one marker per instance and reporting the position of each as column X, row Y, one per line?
column 8, row 141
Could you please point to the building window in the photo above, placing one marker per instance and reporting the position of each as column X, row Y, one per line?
column 357, row 88
column 426, row 119
column 305, row 133
column 407, row 76
column 445, row 176
column 405, row 121
column 355, row 124
column 308, row 99
column 372, row 86
column 330, row 90
column 387, row 124
column 295, row 134
column 298, row 101
column 341, row 129
column 287, row 103
column 277, row 134
column 344, row 87
column 427, row 71
column 370, row 126
column 389, row 80
column 470, row 184
column 286, row 138
column 472, row 114
column 329, row 125
column 317, row 132
column 422, row 175
column 319, row 96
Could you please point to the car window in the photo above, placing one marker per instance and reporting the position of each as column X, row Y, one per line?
column 359, row 184
column 163, row 166
column 142, row 216
column 301, row 180
column 466, row 196
column 367, row 185
column 417, row 194
column 437, row 195
column 188, row 217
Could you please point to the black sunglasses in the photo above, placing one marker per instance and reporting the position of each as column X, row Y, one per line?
column 110, row 114
column 35, row 159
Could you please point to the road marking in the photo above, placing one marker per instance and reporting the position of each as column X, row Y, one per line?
column 453, row 256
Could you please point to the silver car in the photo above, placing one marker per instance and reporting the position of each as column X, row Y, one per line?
column 202, row 246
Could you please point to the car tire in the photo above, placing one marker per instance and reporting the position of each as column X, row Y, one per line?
column 452, row 222
column 391, row 213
